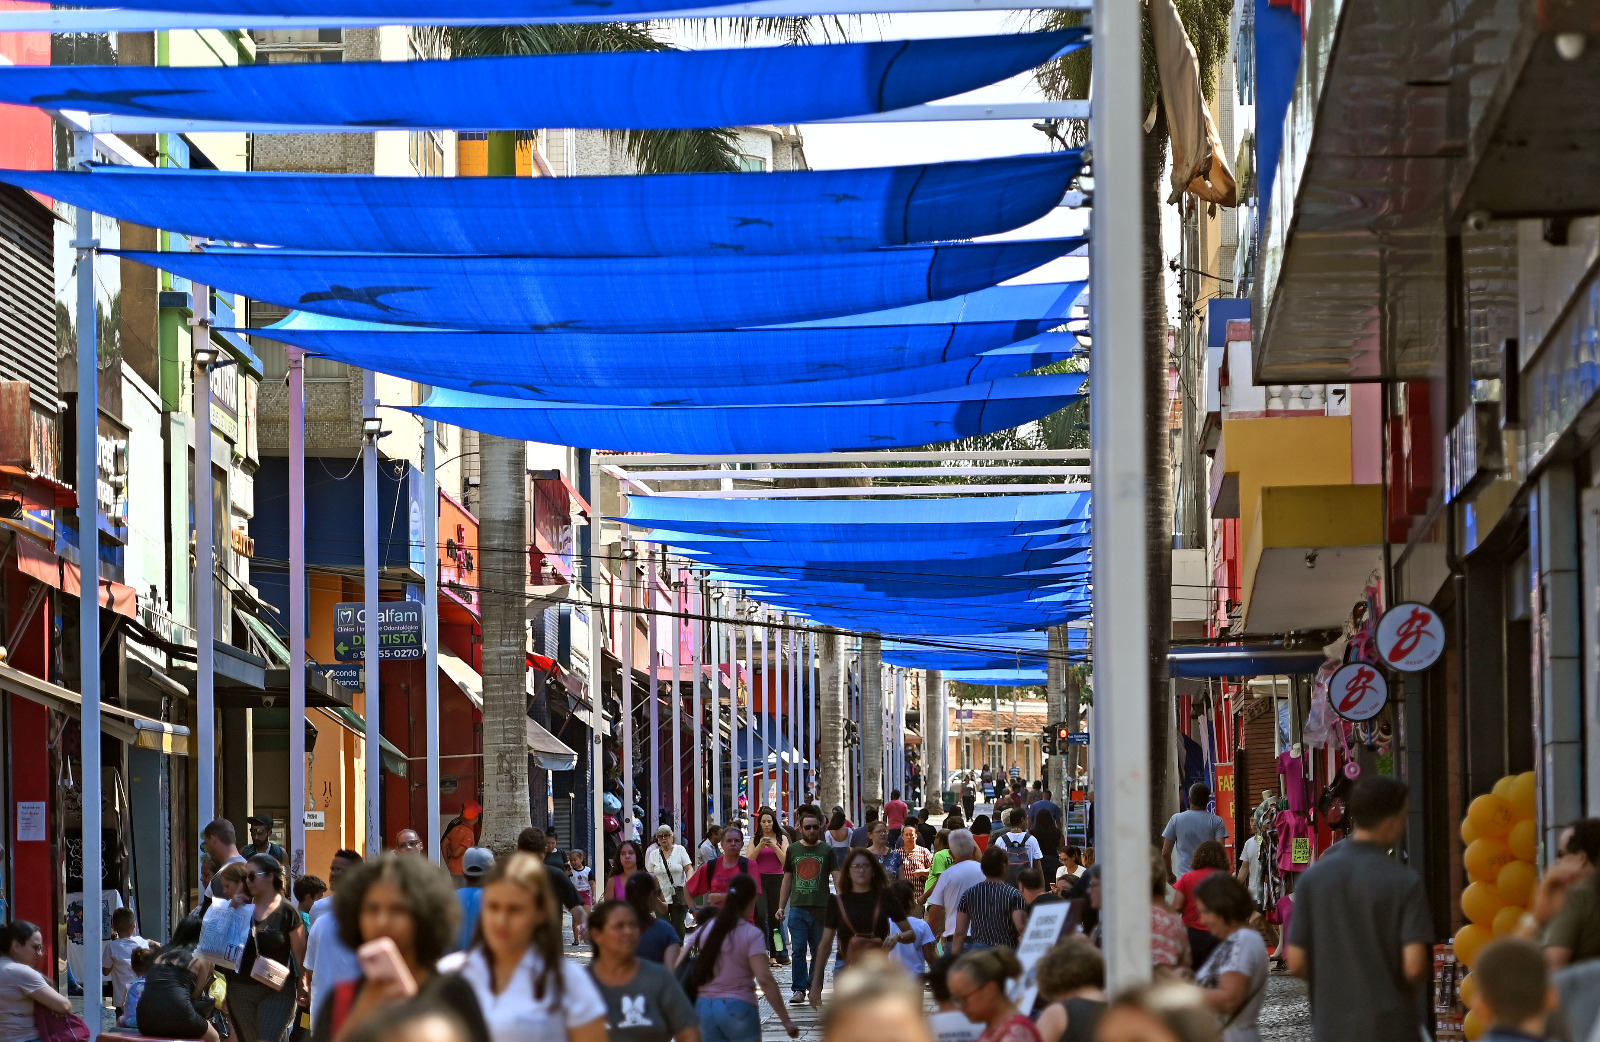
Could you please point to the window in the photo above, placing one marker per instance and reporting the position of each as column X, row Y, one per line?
column 427, row 152
column 278, row 46
column 752, row 164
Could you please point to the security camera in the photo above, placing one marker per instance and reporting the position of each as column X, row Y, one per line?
column 1478, row 221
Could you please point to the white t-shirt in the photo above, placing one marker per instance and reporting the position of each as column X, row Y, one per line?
column 1009, row 840
column 1250, row 854
column 119, row 964
column 320, row 907
column 515, row 1015
column 18, row 983
column 953, row 1026
column 1069, row 873
column 956, row 880
column 671, row 870
column 910, row 952
column 1243, row 951
column 329, row 961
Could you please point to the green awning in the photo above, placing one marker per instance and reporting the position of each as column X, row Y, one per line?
column 394, row 761
column 270, row 641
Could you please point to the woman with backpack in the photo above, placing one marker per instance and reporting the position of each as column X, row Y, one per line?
column 859, row 916
column 1022, row 850
column 723, row 962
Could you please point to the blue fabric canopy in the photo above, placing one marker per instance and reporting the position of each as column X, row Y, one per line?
column 998, row 677
column 630, row 90
column 620, row 294
column 801, row 212
column 1053, row 508
column 933, row 553
column 813, row 427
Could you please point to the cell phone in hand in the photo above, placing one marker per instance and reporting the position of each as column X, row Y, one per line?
column 382, row 966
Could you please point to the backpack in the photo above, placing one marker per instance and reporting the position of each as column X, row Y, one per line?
column 1017, row 857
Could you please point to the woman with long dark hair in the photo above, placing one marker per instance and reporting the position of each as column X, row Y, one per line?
column 766, row 851
column 1047, row 831
column 658, row 940
column 864, row 907
column 528, row 992
column 176, row 1001
column 257, row 1010
column 629, row 859
column 23, row 989
column 644, row 1001
column 978, row 985
column 730, row 960
column 838, row 831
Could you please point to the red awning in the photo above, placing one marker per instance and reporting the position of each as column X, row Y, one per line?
column 36, row 491
column 47, row 567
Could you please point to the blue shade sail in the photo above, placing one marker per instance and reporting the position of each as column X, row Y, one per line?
column 998, row 677
column 803, row 212
column 630, row 90
column 816, row 427
column 933, row 554
column 1053, row 508
column 608, row 294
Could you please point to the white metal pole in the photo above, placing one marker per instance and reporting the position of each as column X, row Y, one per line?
column 716, row 710
column 678, row 595
column 298, row 789
column 769, row 703
column 430, row 608
column 654, row 759
column 371, row 631
column 89, row 585
column 597, row 665
column 752, row 793
column 814, row 744
column 1116, row 383
column 697, row 783
column 625, row 621
column 792, row 663
column 205, row 571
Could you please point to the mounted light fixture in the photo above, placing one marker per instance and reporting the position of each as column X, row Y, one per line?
column 629, row 553
column 371, row 427
column 205, row 355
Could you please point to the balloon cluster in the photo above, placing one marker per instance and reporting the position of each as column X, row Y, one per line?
column 1502, row 841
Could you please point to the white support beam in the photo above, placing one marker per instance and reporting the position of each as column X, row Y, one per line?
column 875, row 472
column 126, row 20
column 886, row 490
column 666, row 459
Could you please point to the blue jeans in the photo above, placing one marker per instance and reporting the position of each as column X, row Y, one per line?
column 728, row 1020
column 805, row 935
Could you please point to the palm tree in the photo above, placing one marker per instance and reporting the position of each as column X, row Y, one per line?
column 1206, row 22
column 831, row 715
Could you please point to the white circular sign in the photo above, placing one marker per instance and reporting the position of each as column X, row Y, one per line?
column 1410, row 637
column 1358, row 691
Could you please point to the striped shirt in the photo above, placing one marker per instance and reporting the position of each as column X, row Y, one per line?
column 989, row 906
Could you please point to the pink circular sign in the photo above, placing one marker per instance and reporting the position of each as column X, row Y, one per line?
column 1358, row 691
column 1410, row 637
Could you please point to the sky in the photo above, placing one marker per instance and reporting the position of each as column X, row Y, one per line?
column 834, row 146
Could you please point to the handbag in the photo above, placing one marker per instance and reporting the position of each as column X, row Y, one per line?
column 859, row 944
column 680, row 897
column 59, row 1027
column 688, row 959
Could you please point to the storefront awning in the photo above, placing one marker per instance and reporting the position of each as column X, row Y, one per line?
column 141, row 732
column 53, row 570
column 546, row 749
column 1242, row 661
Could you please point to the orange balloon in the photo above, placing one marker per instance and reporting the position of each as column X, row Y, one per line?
column 1481, row 902
column 1524, row 795
column 1516, row 883
column 1523, row 839
column 1506, row 920
column 1468, row 989
column 1472, row 1025
column 1485, row 858
column 1491, row 816
column 1502, row 788
column 1468, row 833
column 1469, row 941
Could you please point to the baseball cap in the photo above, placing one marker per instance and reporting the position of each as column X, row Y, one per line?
column 476, row 861
column 472, row 810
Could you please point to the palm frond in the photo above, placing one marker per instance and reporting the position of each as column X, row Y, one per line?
column 1206, row 21
column 791, row 30
column 711, row 151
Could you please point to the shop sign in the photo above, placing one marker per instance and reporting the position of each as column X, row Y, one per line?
column 316, row 821
column 1473, row 451
column 1410, row 637
column 399, row 631
column 1358, row 691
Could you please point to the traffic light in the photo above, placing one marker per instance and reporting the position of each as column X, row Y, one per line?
column 1063, row 736
column 1048, row 742
column 1007, row 733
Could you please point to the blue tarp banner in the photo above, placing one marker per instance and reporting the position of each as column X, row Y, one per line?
column 630, row 90
column 608, row 294
column 817, row 427
column 804, row 212
column 1051, row 508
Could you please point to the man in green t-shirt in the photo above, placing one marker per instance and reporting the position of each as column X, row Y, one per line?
column 807, row 868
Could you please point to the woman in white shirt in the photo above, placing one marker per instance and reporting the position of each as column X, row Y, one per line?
column 672, row 867
column 22, row 987
column 527, row 991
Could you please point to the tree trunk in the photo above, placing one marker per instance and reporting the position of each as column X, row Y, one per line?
column 503, row 572
column 1158, row 478
column 1055, row 695
column 935, row 738
column 830, row 716
column 871, row 722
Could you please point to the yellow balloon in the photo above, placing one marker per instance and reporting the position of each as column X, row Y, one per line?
column 1491, row 816
column 1472, row 1025
column 1468, row 833
column 1523, row 839
column 1485, row 858
column 1469, row 941
column 1468, row 987
column 1524, row 795
column 1506, row 920
column 1481, row 902
column 1516, row 882
column 1502, row 788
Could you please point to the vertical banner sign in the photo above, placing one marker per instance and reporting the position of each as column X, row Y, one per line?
column 1226, row 800
column 1410, row 637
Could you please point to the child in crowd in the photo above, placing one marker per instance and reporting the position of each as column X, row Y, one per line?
column 308, row 890
column 128, row 1015
column 1515, row 996
column 581, row 877
column 118, row 960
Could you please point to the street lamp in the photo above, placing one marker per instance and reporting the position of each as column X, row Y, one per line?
column 205, row 355
column 371, row 429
